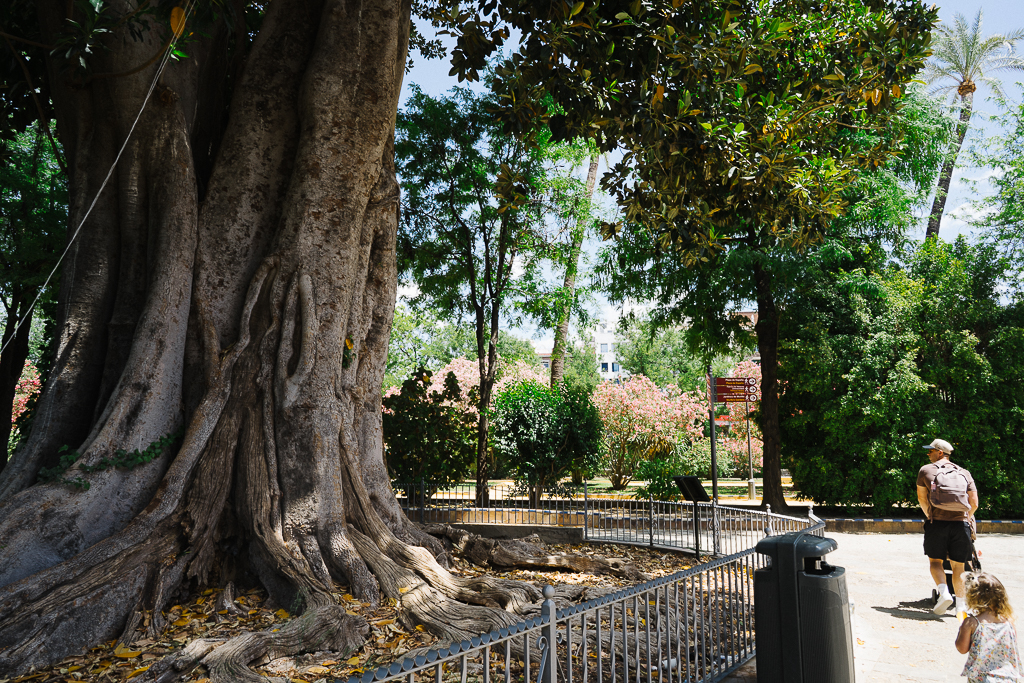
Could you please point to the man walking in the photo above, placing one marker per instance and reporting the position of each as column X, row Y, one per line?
column 948, row 497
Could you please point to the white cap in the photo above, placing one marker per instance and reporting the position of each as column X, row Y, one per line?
column 943, row 446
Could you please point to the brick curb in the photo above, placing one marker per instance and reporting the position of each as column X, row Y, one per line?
column 886, row 525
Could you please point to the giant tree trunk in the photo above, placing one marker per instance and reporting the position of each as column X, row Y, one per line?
column 949, row 163
column 569, row 286
column 767, row 330
column 222, row 318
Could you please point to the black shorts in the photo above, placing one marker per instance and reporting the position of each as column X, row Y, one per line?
column 948, row 539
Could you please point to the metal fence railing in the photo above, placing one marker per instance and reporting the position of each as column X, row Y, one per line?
column 694, row 626
column 457, row 504
column 716, row 529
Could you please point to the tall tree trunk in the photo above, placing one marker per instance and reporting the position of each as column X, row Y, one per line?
column 767, row 330
column 12, row 362
column 224, row 322
column 569, row 287
column 487, row 363
column 949, row 163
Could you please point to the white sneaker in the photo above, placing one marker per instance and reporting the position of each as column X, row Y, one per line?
column 943, row 603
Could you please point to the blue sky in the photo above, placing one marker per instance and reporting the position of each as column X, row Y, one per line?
column 998, row 16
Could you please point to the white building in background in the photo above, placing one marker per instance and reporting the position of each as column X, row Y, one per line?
column 604, row 347
column 607, row 362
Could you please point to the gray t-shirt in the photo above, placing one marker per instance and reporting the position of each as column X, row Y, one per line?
column 927, row 474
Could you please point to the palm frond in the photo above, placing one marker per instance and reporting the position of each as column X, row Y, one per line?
column 960, row 53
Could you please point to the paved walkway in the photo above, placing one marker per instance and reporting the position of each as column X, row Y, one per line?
column 896, row 636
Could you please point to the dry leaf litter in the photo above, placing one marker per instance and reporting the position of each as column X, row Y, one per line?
column 198, row 617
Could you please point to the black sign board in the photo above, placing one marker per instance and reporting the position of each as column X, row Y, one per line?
column 692, row 489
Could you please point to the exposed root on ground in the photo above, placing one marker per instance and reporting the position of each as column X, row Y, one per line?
column 325, row 629
column 529, row 554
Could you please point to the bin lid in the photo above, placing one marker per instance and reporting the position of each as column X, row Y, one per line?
column 797, row 544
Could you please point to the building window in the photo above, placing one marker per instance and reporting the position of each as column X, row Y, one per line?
column 546, row 365
column 615, row 367
column 604, row 367
column 604, row 348
column 611, row 347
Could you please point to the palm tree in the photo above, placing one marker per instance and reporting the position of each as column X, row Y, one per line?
column 961, row 58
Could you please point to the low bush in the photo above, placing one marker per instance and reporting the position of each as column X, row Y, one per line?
column 429, row 435
column 541, row 434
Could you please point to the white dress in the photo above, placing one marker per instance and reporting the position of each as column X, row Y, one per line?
column 994, row 656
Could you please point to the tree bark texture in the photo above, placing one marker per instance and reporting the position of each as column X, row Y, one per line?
column 946, row 174
column 767, row 331
column 569, row 286
column 210, row 293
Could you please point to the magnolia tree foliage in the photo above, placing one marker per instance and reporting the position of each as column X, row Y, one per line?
column 734, row 119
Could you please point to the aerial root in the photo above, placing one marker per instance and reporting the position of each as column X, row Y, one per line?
column 328, row 629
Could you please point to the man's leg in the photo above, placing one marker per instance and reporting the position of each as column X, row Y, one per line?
column 939, row 576
column 958, row 578
column 938, row 573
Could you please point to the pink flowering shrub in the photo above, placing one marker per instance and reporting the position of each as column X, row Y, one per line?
column 28, row 386
column 654, row 433
column 642, row 422
column 467, row 373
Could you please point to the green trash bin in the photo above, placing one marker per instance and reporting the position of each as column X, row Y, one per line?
column 801, row 612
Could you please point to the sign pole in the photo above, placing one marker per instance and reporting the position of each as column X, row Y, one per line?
column 750, row 457
column 714, row 455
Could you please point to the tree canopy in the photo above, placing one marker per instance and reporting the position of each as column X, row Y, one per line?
column 880, row 359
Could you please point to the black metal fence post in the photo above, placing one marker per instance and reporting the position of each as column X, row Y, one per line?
column 696, row 529
column 586, row 510
column 650, row 517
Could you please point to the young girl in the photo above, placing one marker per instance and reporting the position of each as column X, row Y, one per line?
column 989, row 636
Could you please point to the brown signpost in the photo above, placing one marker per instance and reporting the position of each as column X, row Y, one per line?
column 735, row 389
column 740, row 390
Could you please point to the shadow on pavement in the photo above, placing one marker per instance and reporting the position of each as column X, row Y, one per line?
column 918, row 610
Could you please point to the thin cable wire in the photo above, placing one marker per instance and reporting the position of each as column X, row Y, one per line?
column 103, row 185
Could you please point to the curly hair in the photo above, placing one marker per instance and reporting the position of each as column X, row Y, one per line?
column 985, row 593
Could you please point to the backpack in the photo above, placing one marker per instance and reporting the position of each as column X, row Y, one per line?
column 949, row 488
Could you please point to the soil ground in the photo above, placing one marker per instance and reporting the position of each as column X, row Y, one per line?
column 195, row 616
